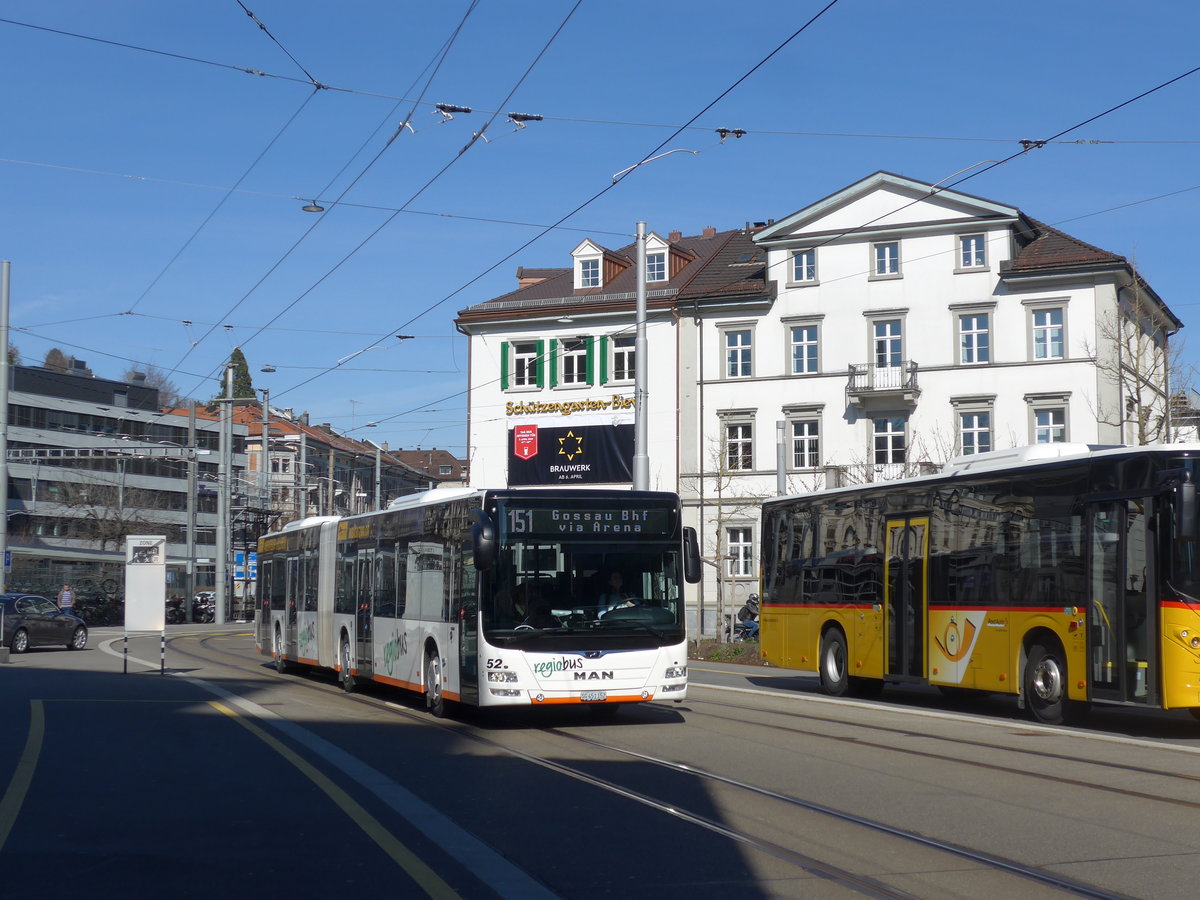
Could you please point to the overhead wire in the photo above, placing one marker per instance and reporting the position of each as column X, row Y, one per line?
column 547, row 117
column 596, row 196
column 440, row 57
column 428, row 183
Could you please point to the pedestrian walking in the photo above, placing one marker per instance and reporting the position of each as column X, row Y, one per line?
column 66, row 598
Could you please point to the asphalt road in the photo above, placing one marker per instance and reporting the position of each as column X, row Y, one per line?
column 224, row 778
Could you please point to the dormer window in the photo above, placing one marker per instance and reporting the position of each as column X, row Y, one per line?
column 656, row 266
column 589, row 273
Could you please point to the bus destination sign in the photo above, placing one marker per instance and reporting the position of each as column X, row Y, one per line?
column 545, row 522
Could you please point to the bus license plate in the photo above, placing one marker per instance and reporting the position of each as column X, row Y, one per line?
column 593, row 696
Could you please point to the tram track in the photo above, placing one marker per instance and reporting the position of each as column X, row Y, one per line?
column 857, row 882
column 893, row 748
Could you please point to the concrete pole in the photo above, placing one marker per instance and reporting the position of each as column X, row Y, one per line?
column 303, row 474
column 641, row 459
column 5, row 266
column 192, row 466
column 224, row 488
column 264, row 477
column 378, row 475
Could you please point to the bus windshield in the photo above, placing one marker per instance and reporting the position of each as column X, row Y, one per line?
column 556, row 587
column 1184, row 578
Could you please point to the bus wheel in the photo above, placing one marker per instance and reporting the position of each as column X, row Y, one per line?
column 282, row 666
column 348, row 684
column 834, row 678
column 1046, row 684
column 434, row 700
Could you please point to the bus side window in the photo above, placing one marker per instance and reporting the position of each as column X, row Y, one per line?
column 385, row 580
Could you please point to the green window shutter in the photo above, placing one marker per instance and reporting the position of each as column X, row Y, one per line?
column 603, row 351
column 541, row 363
column 591, row 360
column 505, row 352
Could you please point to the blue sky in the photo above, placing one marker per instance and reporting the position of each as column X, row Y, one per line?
column 149, row 181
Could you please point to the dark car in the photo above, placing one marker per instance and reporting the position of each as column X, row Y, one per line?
column 32, row 621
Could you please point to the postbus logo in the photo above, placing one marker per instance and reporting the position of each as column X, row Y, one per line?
column 525, row 441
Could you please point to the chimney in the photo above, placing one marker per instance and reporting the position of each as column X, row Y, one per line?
column 675, row 236
column 137, row 377
column 710, row 231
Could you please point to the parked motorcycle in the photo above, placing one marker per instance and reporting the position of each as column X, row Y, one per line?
column 176, row 612
column 746, row 627
column 204, row 609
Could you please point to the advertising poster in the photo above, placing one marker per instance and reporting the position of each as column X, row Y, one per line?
column 575, row 454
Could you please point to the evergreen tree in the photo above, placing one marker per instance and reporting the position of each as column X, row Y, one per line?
column 243, row 387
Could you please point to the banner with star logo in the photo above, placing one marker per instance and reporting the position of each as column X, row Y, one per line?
column 578, row 454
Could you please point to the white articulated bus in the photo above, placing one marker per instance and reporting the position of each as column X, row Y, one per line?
column 488, row 598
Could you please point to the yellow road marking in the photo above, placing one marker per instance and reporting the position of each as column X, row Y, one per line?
column 18, row 787
column 429, row 880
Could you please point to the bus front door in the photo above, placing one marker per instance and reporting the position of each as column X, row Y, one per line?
column 1123, row 605
column 905, row 569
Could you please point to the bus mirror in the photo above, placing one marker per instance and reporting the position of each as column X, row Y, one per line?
column 1185, row 506
column 691, row 556
column 483, row 536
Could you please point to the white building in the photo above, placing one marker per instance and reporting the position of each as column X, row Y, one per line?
column 871, row 335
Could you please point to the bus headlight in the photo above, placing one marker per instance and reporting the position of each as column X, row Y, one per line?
column 676, row 672
column 502, row 676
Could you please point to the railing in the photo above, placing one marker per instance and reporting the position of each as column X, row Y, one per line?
column 866, row 377
column 867, row 380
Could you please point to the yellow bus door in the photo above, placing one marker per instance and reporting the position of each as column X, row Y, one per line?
column 905, row 579
column 1123, row 606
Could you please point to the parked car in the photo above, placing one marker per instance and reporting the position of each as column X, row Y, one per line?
column 33, row 621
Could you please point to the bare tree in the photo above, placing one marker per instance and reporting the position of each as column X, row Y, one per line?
column 105, row 512
column 57, row 361
column 733, row 504
column 169, row 395
column 1144, row 368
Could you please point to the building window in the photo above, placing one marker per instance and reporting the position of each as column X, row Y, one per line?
column 739, row 544
column 521, row 364
column 1050, row 425
column 589, row 273
column 1048, row 340
column 656, row 267
column 804, row 266
column 739, row 447
column 573, row 366
column 887, row 259
column 972, row 252
column 806, row 444
column 623, row 357
column 889, row 441
column 975, row 432
column 973, row 339
column 805, row 346
column 889, row 343
column 445, row 470
column 739, row 353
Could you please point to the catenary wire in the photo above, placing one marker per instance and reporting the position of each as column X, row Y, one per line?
column 552, row 118
column 612, row 184
column 445, row 51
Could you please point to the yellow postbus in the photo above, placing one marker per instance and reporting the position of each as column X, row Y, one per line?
column 1065, row 574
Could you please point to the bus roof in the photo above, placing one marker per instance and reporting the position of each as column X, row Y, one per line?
column 1013, row 459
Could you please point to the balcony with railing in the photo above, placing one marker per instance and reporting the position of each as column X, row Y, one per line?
column 870, row 382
